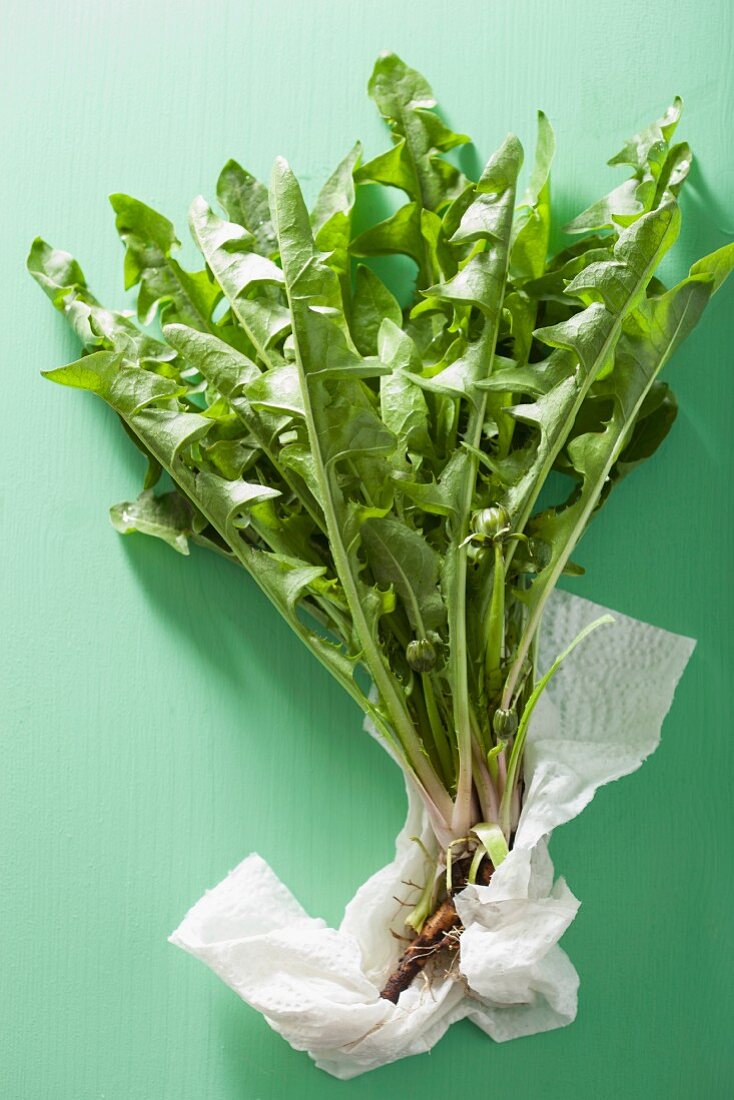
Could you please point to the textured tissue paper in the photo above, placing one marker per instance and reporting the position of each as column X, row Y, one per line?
column 319, row 987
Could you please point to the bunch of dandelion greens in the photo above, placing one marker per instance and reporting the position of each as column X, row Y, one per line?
column 377, row 468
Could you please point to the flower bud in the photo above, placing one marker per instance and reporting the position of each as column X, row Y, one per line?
column 492, row 522
column 476, row 553
column 420, row 655
column 504, row 723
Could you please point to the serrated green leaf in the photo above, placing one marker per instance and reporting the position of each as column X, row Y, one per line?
column 662, row 323
column 652, row 424
column 401, row 558
column 355, row 457
column 277, row 390
column 393, row 168
column 241, row 272
column 400, row 234
column 246, row 202
column 647, row 153
column 531, row 233
column 406, row 102
column 372, row 302
column 61, row 278
column 338, row 429
column 149, row 239
column 332, row 215
column 592, row 336
column 718, row 266
column 227, row 501
column 165, row 516
column 403, row 407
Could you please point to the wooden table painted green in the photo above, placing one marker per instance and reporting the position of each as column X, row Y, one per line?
column 159, row 722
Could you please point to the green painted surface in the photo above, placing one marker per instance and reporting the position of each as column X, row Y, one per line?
column 159, row 722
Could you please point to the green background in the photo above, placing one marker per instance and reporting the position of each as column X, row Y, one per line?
column 159, row 721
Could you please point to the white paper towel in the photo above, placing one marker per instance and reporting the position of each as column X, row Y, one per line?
column 320, row 988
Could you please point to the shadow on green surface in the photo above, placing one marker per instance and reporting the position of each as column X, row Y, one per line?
column 207, row 610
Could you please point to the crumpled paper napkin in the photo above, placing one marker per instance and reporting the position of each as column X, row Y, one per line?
column 320, row 987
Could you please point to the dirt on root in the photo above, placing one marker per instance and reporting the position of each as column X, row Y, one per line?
column 440, row 931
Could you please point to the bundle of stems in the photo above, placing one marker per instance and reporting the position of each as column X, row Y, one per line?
column 405, row 477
